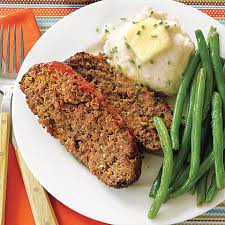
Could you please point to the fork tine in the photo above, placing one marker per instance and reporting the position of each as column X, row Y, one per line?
column 21, row 45
column 7, row 53
column 1, row 44
column 14, row 52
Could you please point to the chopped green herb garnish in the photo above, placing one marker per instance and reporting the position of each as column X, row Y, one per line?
column 106, row 31
column 139, row 32
column 151, row 13
column 119, row 67
column 132, row 61
column 135, row 22
column 155, row 25
column 123, row 18
column 139, row 66
column 114, row 50
column 167, row 25
column 127, row 45
column 97, row 29
column 169, row 62
column 151, row 61
column 143, row 27
column 161, row 22
column 154, row 36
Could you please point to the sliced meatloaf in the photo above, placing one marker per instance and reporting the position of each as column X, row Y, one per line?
column 136, row 104
column 79, row 116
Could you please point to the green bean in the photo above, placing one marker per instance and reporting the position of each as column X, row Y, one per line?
column 202, row 183
column 204, row 167
column 156, row 184
column 201, row 190
column 197, row 125
column 211, row 31
column 181, row 96
column 206, row 63
column 186, row 138
column 212, row 191
column 217, row 66
column 180, row 180
column 217, row 131
column 167, row 167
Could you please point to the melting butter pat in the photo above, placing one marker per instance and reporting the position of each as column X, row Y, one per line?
column 148, row 39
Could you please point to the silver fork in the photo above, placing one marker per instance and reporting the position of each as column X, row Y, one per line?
column 7, row 81
column 40, row 204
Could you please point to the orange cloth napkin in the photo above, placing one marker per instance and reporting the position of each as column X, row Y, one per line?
column 18, row 211
column 31, row 32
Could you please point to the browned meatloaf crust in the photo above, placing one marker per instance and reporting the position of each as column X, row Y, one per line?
column 136, row 104
column 79, row 116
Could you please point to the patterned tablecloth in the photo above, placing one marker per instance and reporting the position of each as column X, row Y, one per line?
column 48, row 12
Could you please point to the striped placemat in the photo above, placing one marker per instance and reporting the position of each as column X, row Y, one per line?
column 49, row 12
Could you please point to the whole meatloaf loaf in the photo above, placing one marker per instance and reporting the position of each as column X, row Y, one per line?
column 85, row 123
column 136, row 104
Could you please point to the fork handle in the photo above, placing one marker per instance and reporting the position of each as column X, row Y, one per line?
column 4, row 142
column 40, row 204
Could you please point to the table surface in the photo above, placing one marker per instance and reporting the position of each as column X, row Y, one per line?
column 49, row 12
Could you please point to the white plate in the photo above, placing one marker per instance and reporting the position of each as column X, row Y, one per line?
column 62, row 175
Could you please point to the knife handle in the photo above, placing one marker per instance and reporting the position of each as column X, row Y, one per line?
column 4, row 143
column 41, row 207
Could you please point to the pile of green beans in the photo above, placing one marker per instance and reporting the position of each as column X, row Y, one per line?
column 199, row 147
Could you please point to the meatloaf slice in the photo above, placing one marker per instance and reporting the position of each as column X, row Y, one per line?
column 79, row 116
column 136, row 104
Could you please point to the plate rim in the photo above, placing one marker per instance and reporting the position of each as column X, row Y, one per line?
column 19, row 77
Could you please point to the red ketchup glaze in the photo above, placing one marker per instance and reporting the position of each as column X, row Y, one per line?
column 99, row 96
column 81, row 82
column 101, row 57
column 58, row 66
column 86, row 86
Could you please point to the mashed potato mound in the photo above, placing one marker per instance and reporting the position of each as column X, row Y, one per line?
column 163, row 72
